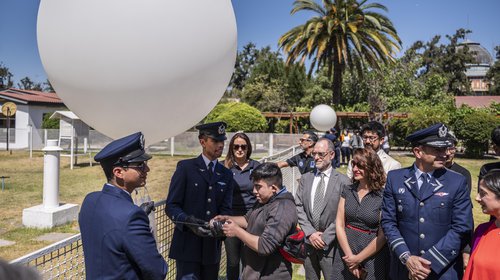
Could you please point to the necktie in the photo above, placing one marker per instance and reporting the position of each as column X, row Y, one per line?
column 318, row 201
column 425, row 183
column 211, row 170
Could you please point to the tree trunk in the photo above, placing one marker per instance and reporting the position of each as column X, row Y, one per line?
column 337, row 82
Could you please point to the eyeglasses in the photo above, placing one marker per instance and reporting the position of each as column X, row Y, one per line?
column 370, row 138
column 237, row 147
column 139, row 166
column 320, row 155
column 451, row 149
column 304, row 139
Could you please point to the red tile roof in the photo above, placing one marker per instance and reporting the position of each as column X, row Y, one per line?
column 476, row 101
column 30, row 96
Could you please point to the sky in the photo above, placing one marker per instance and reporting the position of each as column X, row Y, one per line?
column 264, row 21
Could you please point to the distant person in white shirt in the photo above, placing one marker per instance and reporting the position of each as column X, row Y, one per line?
column 373, row 137
column 385, row 146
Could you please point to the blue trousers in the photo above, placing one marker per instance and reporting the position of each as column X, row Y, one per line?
column 196, row 271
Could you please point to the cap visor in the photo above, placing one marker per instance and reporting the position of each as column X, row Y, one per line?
column 141, row 158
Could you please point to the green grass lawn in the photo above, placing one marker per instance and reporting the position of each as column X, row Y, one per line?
column 25, row 185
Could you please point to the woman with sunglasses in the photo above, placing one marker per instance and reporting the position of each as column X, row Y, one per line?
column 361, row 252
column 241, row 165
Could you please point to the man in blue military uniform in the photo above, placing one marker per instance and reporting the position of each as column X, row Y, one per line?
column 117, row 240
column 426, row 212
column 201, row 188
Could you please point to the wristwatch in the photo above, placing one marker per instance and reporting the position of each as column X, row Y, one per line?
column 404, row 257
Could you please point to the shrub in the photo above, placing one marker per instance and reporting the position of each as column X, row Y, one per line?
column 238, row 116
column 473, row 127
column 419, row 117
column 48, row 123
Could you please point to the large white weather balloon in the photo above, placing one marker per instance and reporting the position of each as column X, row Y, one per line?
column 323, row 117
column 157, row 66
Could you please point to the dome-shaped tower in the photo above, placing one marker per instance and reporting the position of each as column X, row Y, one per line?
column 476, row 71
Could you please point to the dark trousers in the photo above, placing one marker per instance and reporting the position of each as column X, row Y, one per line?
column 318, row 261
column 234, row 250
column 346, row 154
column 196, row 271
column 336, row 158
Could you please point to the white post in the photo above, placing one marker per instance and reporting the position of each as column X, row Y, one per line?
column 51, row 174
column 72, row 145
column 271, row 144
column 172, row 151
column 45, row 137
column 30, row 139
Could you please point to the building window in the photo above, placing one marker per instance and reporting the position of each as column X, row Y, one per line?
column 3, row 129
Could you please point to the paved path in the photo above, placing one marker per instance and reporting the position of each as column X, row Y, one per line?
column 4, row 242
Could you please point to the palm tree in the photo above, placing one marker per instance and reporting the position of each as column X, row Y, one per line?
column 343, row 33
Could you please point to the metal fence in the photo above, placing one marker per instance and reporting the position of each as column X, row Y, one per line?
column 65, row 260
column 186, row 143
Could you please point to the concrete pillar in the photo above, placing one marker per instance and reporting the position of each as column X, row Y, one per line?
column 271, row 144
column 51, row 213
column 51, row 164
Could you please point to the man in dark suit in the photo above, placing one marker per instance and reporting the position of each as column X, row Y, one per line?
column 200, row 189
column 117, row 240
column 426, row 212
column 450, row 160
column 317, row 201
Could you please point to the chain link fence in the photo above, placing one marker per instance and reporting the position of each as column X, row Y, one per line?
column 65, row 260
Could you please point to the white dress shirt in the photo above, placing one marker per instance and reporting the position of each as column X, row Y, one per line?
column 316, row 180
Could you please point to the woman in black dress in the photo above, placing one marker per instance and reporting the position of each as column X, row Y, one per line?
column 241, row 165
column 361, row 252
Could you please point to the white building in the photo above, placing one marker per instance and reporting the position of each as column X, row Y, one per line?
column 32, row 106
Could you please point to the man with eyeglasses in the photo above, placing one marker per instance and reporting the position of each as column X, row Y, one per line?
column 373, row 134
column 427, row 212
column 317, row 201
column 116, row 237
column 303, row 161
column 201, row 188
column 452, row 165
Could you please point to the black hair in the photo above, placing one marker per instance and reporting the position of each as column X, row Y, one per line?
column 108, row 167
column 269, row 172
column 491, row 181
column 375, row 127
column 495, row 136
column 313, row 136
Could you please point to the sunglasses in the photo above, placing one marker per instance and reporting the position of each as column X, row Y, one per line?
column 304, row 139
column 237, row 147
column 139, row 166
column 360, row 165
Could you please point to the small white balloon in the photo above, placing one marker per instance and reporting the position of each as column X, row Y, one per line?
column 156, row 66
column 323, row 117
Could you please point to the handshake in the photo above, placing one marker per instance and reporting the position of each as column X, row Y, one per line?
column 205, row 229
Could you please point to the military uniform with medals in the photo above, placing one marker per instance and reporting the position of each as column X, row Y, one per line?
column 427, row 214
